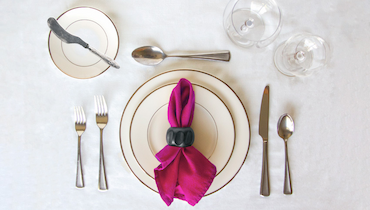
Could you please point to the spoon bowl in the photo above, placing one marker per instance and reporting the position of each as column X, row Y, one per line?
column 151, row 55
column 285, row 126
column 285, row 129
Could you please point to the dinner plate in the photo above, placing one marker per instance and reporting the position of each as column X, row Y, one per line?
column 206, row 81
column 95, row 28
column 212, row 124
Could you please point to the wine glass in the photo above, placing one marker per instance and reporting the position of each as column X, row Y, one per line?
column 301, row 55
column 252, row 22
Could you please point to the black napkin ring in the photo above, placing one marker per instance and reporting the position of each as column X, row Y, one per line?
column 180, row 137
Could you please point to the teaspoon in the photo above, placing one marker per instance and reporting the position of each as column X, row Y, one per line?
column 285, row 129
column 151, row 55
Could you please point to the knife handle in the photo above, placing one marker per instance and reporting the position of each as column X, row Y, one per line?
column 265, row 187
column 105, row 58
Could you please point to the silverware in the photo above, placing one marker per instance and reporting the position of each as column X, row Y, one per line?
column 285, row 128
column 101, row 111
column 80, row 125
column 69, row 38
column 263, row 132
column 150, row 55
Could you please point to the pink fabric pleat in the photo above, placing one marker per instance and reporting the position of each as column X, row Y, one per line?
column 184, row 173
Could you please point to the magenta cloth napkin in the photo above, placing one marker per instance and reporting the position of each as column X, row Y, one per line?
column 184, row 172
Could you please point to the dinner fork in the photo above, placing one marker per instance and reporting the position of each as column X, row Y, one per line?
column 80, row 125
column 101, row 120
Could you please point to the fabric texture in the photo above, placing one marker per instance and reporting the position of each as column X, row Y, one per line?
column 184, row 173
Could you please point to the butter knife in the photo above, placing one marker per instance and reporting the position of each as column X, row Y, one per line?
column 69, row 38
column 264, row 132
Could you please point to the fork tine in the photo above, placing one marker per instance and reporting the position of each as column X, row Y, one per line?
column 96, row 104
column 75, row 113
column 83, row 116
column 79, row 115
column 105, row 109
column 99, row 105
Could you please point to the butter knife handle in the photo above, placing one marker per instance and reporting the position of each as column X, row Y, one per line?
column 105, row 58
column 265, row 187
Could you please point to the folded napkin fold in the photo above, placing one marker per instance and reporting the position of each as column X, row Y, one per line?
column 184, row 172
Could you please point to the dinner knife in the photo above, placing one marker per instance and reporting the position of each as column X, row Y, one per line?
column 69, row 38
column 264, row 132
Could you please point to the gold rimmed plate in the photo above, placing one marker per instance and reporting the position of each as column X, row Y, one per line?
column 205, row 82
column 212, row 124
column 95, row 28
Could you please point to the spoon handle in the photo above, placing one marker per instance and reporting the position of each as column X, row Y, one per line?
column 287, row 181
column 218, row 56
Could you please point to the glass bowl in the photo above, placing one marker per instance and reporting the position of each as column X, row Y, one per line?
column 252, row 22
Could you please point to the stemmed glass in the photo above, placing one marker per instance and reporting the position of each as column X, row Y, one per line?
column 252, row 22
column 301, row 55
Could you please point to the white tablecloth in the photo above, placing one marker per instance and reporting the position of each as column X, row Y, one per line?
column 329, row 151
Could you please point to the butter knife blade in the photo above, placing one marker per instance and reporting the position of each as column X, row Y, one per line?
column 69, row 38
column 263, row 132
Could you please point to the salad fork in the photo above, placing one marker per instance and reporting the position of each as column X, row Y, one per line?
column 80, row 125
column 101, row 120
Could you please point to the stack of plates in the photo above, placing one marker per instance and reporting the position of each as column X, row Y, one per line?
column 220, row 124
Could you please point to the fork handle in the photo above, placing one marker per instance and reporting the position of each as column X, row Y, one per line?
column 79, row 173
column 102, row 176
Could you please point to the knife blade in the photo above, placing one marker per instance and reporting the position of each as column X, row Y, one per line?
column 263, row 132
column 69, row 38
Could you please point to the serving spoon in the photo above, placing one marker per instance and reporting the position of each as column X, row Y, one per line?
column 285, row 129
column 151, row 55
